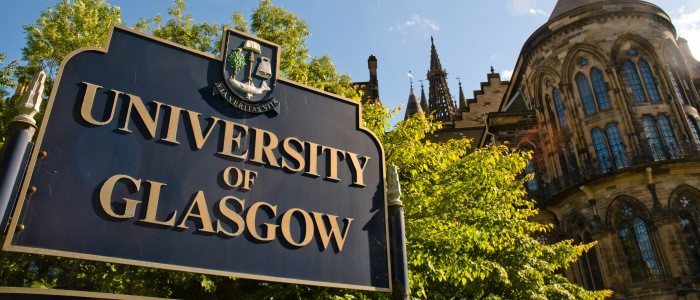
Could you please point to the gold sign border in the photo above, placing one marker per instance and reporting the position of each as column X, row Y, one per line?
column 70, row 293
column 8, row 246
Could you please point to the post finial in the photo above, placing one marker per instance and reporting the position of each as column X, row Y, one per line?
column 31, row 100
column 394, row 186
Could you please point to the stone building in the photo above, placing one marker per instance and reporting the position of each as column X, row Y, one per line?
column 606, row 96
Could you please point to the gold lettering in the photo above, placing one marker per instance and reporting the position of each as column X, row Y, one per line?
column 246, row 177
column 250, row 222
column 231, row 215
column 227, row 177
column 173, row 122
column 249, row 179
column 335, row 231
column 308, row 227
column 149, row 121
column 199, row 137
column 296, row 156
column 262, row 148
column 106, row 197
column 358, row 174
column 333, row 153
column 89, row 100
column 202, row 214
column 313, row 159
column 152, row 206
column 232, row 140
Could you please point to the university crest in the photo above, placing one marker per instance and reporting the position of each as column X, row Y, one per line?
column 249, row 73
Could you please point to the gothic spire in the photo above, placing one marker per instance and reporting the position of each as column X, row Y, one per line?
column 462, row 100
column 423, row 99
column 412, row 106
column 440, row 102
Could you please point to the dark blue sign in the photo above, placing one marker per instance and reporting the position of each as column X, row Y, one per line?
column 156, row 155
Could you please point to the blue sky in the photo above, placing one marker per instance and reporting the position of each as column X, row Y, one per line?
column 470, row 36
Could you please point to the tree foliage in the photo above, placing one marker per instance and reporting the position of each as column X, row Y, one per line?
column 8, row 101
column 468, row 227
column 181, row 28
column 66, row 27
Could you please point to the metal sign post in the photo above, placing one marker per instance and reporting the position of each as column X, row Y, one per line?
column 397, row 233
column 22, row 130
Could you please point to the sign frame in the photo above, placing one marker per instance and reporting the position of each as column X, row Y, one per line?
column 25, row 190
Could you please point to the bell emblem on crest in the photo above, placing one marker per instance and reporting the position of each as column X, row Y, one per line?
column 264, row 69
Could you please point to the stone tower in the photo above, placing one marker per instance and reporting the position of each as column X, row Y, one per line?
column 616, row 144
column 440, row 103
column 369, row 89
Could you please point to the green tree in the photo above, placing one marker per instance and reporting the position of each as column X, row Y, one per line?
column 283, row 27
column 181, row 28
column 8, row 101
column 7, row 77
column 468, row 227
column 66, row 27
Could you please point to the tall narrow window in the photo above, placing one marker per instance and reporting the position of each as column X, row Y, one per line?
column 669, row 137
column 634, row 81
column 653, row 137
column 634, row 235
column 584, row 90
column 586, row 268
column 560, row 108
column 530, row 169
column 601, row 91
column 686, row 207
column 616, row 146
column 649, row 81
column 676, row 88
column 694, row 129
column 640, row 229
column 601, row 150
column 571, row 153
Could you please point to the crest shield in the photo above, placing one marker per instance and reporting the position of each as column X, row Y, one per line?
column 249, row 72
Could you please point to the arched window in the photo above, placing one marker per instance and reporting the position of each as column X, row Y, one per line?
column 601, row 150
column 616, row 146
column 687, row 208
column 586, row 270
column 584, row 90
column 633, row 78
column 634, row 235
column 657, row 149
column 649, row 81
column 634, row 81
column 669, row 136
column 676, row 88
column 601, row 91
column 559, row 105
column 609, row 147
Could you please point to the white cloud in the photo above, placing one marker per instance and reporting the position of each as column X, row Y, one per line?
column 688, row 26
column 537, row 11
column 416, row 23
column 507, row 74
column 524, row 7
